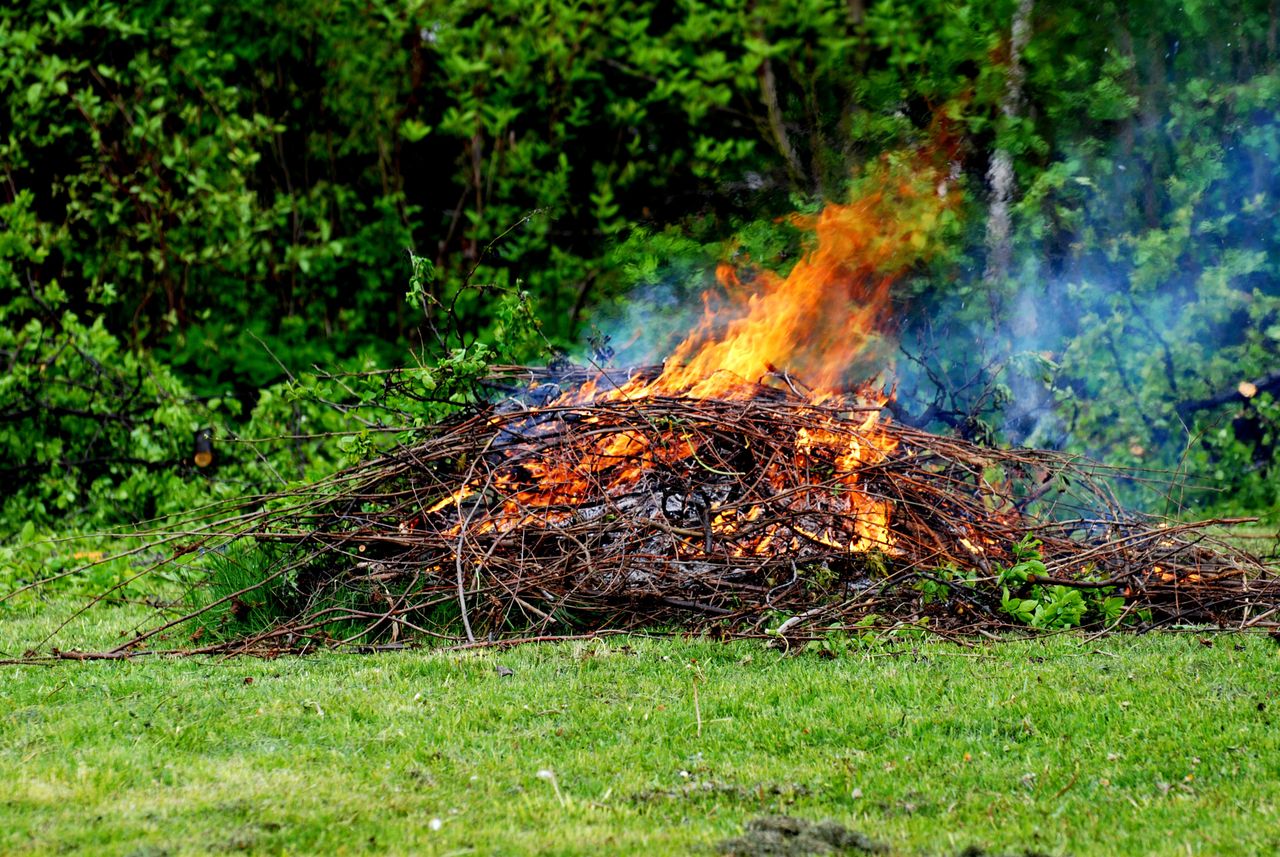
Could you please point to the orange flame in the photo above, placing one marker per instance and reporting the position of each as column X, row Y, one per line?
column 814, row 323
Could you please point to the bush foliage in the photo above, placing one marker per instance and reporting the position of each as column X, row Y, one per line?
column 202, row 203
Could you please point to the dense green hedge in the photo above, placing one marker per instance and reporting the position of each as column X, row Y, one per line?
column 198, row 194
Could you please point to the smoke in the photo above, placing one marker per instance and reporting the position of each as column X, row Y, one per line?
column 1143, row 286
column 1141, row 282
column 645, row 327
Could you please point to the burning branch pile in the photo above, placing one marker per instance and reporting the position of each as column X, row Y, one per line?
column 600, row 510
column 718, row 492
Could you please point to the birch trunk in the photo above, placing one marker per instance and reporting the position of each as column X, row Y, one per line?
column 1000, row 173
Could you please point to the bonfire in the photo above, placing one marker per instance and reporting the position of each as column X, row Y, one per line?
column 750, row 485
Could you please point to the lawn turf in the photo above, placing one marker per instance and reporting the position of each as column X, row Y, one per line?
column 1157, row 744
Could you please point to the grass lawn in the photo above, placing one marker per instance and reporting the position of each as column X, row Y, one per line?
column 1131, row 745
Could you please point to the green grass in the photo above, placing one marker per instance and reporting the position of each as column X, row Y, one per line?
column 1132, row 745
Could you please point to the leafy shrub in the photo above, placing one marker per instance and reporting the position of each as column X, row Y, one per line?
column 1053, row 606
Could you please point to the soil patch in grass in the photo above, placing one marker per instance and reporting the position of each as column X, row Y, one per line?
column 785, row 836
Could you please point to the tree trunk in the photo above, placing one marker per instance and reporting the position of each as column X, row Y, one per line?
column 1000, row 173
column 777, row 125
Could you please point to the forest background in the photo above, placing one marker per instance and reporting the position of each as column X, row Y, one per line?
column 244, row 216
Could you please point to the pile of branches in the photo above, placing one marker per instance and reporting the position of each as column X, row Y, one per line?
column 529, row 519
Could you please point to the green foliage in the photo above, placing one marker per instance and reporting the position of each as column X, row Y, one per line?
column 1240, row 457
column 935, row 586
column 1048, row 607
column 203, row 203
column 89, row 428
column 1029, row 563
column 1145, row 275
column 94, row 431
column 213, row 167
column 101, row 433
column 1051, row 606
